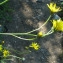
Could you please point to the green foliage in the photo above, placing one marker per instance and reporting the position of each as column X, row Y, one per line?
column 5, row 13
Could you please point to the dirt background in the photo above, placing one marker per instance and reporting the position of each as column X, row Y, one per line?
column 26, row 16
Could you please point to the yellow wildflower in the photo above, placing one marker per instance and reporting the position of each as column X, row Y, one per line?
column 58, row 25
column 40, row 34
column 34, row 45
column 1, row 48
column 53, row 7
column 5, row 53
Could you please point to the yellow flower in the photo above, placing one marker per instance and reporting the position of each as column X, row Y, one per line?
column 34, row 45
column 1, row 48
column 40, row 34
column 5, row 53
column 58, row 25
column 53, row 7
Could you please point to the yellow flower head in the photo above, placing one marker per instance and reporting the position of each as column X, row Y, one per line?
column 34, row 45
column 58, row 24
column 40, row 34
column 5, row 53
column 53, row 7
column 1, row 48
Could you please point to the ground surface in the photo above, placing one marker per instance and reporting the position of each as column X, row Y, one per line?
column 28, row 15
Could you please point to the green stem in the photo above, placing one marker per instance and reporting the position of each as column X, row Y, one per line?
column 50, row 32
column 15, row 56
column 15, row 35
column 18, row 34
column 18, row 52
column 7, row 59
column 40, row 26
column 23, row 38
column 3, row 2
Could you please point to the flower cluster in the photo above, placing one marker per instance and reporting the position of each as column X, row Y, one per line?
column 3, row 52
column 57, row 24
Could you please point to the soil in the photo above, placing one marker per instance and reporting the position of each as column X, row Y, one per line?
column 26, row 16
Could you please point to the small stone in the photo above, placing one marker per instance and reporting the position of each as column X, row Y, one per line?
column 56, row 17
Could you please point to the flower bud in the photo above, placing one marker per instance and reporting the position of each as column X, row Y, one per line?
column 40, row 34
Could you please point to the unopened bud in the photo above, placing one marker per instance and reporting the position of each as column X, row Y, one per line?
column 40, row 34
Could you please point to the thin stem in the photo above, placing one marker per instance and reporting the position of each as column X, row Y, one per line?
column 3, row 2
column 50, row 32
column 15, row 56
column 23, row 38
column 41, row 26
column 18, row 34
column 18, row 52
column 7, row 59
column 14, row 34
